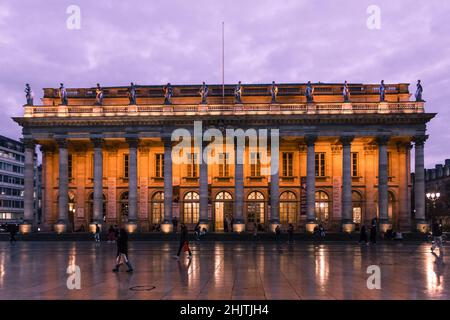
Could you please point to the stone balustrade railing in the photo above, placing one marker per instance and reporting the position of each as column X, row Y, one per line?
column 226, row 109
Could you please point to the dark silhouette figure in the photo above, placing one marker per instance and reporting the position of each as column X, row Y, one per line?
column 184, row 241
column 122, row 251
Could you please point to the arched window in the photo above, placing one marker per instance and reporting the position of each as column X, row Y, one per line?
column 191, row 207
column 124, row 207
column 223, row 210
column 288, row 207
column 157, row 206
column 255, row 207
column 357, row 207
column 322, row 206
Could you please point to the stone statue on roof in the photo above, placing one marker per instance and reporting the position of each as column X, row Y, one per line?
column 238, row 93
column 62, row 94
column 419, row 91
column 309, row 92
column 346, row 92
column 132, row 93
column 168, row 92
column 274, row 92
column 204, row 92
column 382, row 91
column 98, row 95
column 29, row 94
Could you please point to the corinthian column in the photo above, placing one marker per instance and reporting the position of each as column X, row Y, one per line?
column 311, row 222
column 203, row 187
column 347, row 207
column 98, row 181
column 28, row 204
column 239, row 225
column 167, row 225
column 419, row 183
column 383, row 204
column 63, row 186
column 132, row 184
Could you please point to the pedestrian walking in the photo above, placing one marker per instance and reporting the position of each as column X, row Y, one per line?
column 363, row 234
column 321, row 231
column 184, row 242
column 225, row 226
column 197, row 231
column 122, row 251
column 290, row 233
column 175, row 224
column 12, row 233
column 255, row 231
column 111, row 234
column 277, row 232
column 436, row 229
column 373, row 232
column 97, row 233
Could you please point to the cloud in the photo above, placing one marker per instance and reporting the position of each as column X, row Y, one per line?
column 180, row 42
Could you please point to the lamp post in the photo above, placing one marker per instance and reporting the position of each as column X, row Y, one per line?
column 433, row 197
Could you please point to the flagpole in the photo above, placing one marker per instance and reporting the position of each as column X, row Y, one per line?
column 223, row 62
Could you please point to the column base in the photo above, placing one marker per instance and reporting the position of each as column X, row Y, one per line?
column 385, row 226
column 239, row 227
column 348, row 227
column 422, row 227
column 131, row 227
column 60, row 227
column 273, row 225
column 204, row 224
column 310, row 226
column 25, row 228
column 166, row 227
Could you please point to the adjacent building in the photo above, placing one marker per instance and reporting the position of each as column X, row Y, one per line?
column 335, row 161
column 438, row 181
column 12, row 164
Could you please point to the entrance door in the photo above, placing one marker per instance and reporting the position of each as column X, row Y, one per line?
column 223, row 210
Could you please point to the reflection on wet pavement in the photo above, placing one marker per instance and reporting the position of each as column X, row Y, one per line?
column 230, row 270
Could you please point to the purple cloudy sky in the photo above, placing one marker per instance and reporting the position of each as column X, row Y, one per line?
column 152, row 42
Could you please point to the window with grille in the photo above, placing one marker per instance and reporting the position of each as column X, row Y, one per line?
column 288, row 164
column 224, row 165
column 159, row 165
column 320, row 164
column 255, row 164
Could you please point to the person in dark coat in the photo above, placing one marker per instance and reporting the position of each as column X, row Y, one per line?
column 184, row 240
column 373, row 233
column 122, row 251
column 12, row 233
column 175, row 224
column 291, row 233
column 363, row 234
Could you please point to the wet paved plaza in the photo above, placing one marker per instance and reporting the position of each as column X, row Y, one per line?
column 223, row 270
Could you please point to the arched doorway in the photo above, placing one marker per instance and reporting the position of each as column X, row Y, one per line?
column 157, row 208
column 256, row 208
column 91, row 208
column 223, row 210
column 357, row 205
column 288, row 208
column 123, row 205
column 322, row 207
column 191, row 207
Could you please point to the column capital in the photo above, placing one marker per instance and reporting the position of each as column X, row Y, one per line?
column 167, row 141
column 97, row 142
column 310, row 139
column 132, row 142
column 29, row 143
column 346, row 140
column 62, row 143
column 382, row 140
column 419, row 140
column 46, row 148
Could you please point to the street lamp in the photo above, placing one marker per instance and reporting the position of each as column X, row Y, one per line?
column 433, row 197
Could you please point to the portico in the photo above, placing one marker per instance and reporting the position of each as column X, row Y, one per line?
column 338, row 164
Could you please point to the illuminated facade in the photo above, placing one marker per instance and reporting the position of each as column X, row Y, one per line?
column 340, row 163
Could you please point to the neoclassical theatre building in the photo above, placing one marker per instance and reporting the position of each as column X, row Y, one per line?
column 342, row 159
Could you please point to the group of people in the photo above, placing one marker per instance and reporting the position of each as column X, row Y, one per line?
column 372, row 233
